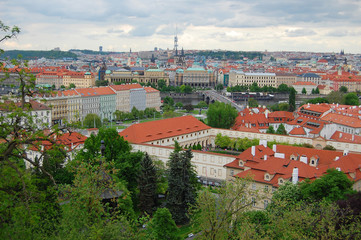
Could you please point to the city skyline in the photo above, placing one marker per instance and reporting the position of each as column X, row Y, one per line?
column 321, row 26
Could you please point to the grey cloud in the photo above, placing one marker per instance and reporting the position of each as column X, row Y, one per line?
column 300, row 32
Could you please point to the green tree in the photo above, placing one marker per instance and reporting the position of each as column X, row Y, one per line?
column 332, row 186
column 221, row 115
column 99, row 83
column 270, row 130
column 283, row 88
column 343, row 89
column 254, row 87
column 217, row 214
column 168, row 100
column 117, row 150
column 351, row 99
column 147, row 181
column 222, row 141
column 162, row 226
column 317, row 100
column 335, row 97
column 219, row 87
column 72, row 85
column 92, row 120
column 181, row 185
column 135, row 113
column 252, row 102
column 317, row 91
column 188, row 107
column 292, row 100
column 161, row 84
column 187, row 89
column 202, row 104
column 281, row 130
column 329, row 147
column 179, row 105
column 304, row 91
column 85, row 216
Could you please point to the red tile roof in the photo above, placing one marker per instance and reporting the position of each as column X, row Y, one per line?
column 298, row 131
column 353, row 122
column 346, row 137
column 150, row 89
column 87, row 92
column 166, row 128
column 123, row 87
column 305, row 83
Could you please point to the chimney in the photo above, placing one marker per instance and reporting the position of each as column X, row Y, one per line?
column 338, row 169
column 265, row 157
column 253, row 151
column 353, row 138
column 345, row 152
column 274, row 148
column 340, row 135
column 266, row 113
column 295, row 175
column 337, row 158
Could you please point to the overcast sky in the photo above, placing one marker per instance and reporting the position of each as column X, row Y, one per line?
column 275, row 25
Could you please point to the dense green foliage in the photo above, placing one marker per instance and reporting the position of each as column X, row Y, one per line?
column 234, row 55
column 162, row 226
column 292, row 100
column 330, row 187
column 343, row 89
column 31, row 54
column 351, row 99
column 317, row 100
column 271, row 130
column 221, row 115
column 282, row 88
column 239, row 144
column 252, row 102
column 92, row 120
column 182, row 184
column 281, row 130
column 147, row 181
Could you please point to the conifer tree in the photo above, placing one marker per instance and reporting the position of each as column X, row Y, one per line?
column 147, row 185
column 181, row 184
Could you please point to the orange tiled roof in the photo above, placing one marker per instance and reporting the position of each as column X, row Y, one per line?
column 124, row 87
column 304, row 83
column 346, row 137
column 298, row 131
column 353, row 122
column 150, row 89
column 166, row 128
column 87, row 92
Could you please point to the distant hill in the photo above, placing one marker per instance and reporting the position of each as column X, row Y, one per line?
column 235, row 55
column 28, row 55
column 86, row 51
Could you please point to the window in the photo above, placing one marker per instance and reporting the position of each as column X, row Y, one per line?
column 265, row 204
column 254, row 187
column 253, row 202
column 231, row 173
column 266, row 188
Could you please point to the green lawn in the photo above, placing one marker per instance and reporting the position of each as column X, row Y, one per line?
column 184, row 230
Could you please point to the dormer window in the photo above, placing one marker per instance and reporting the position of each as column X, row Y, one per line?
column 267, row 177
column 280, row 181
column 241, row 163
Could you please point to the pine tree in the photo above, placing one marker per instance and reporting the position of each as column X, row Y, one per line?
column 281, row 130
column 181, row 185
column 147, row 185
column 292, row 100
